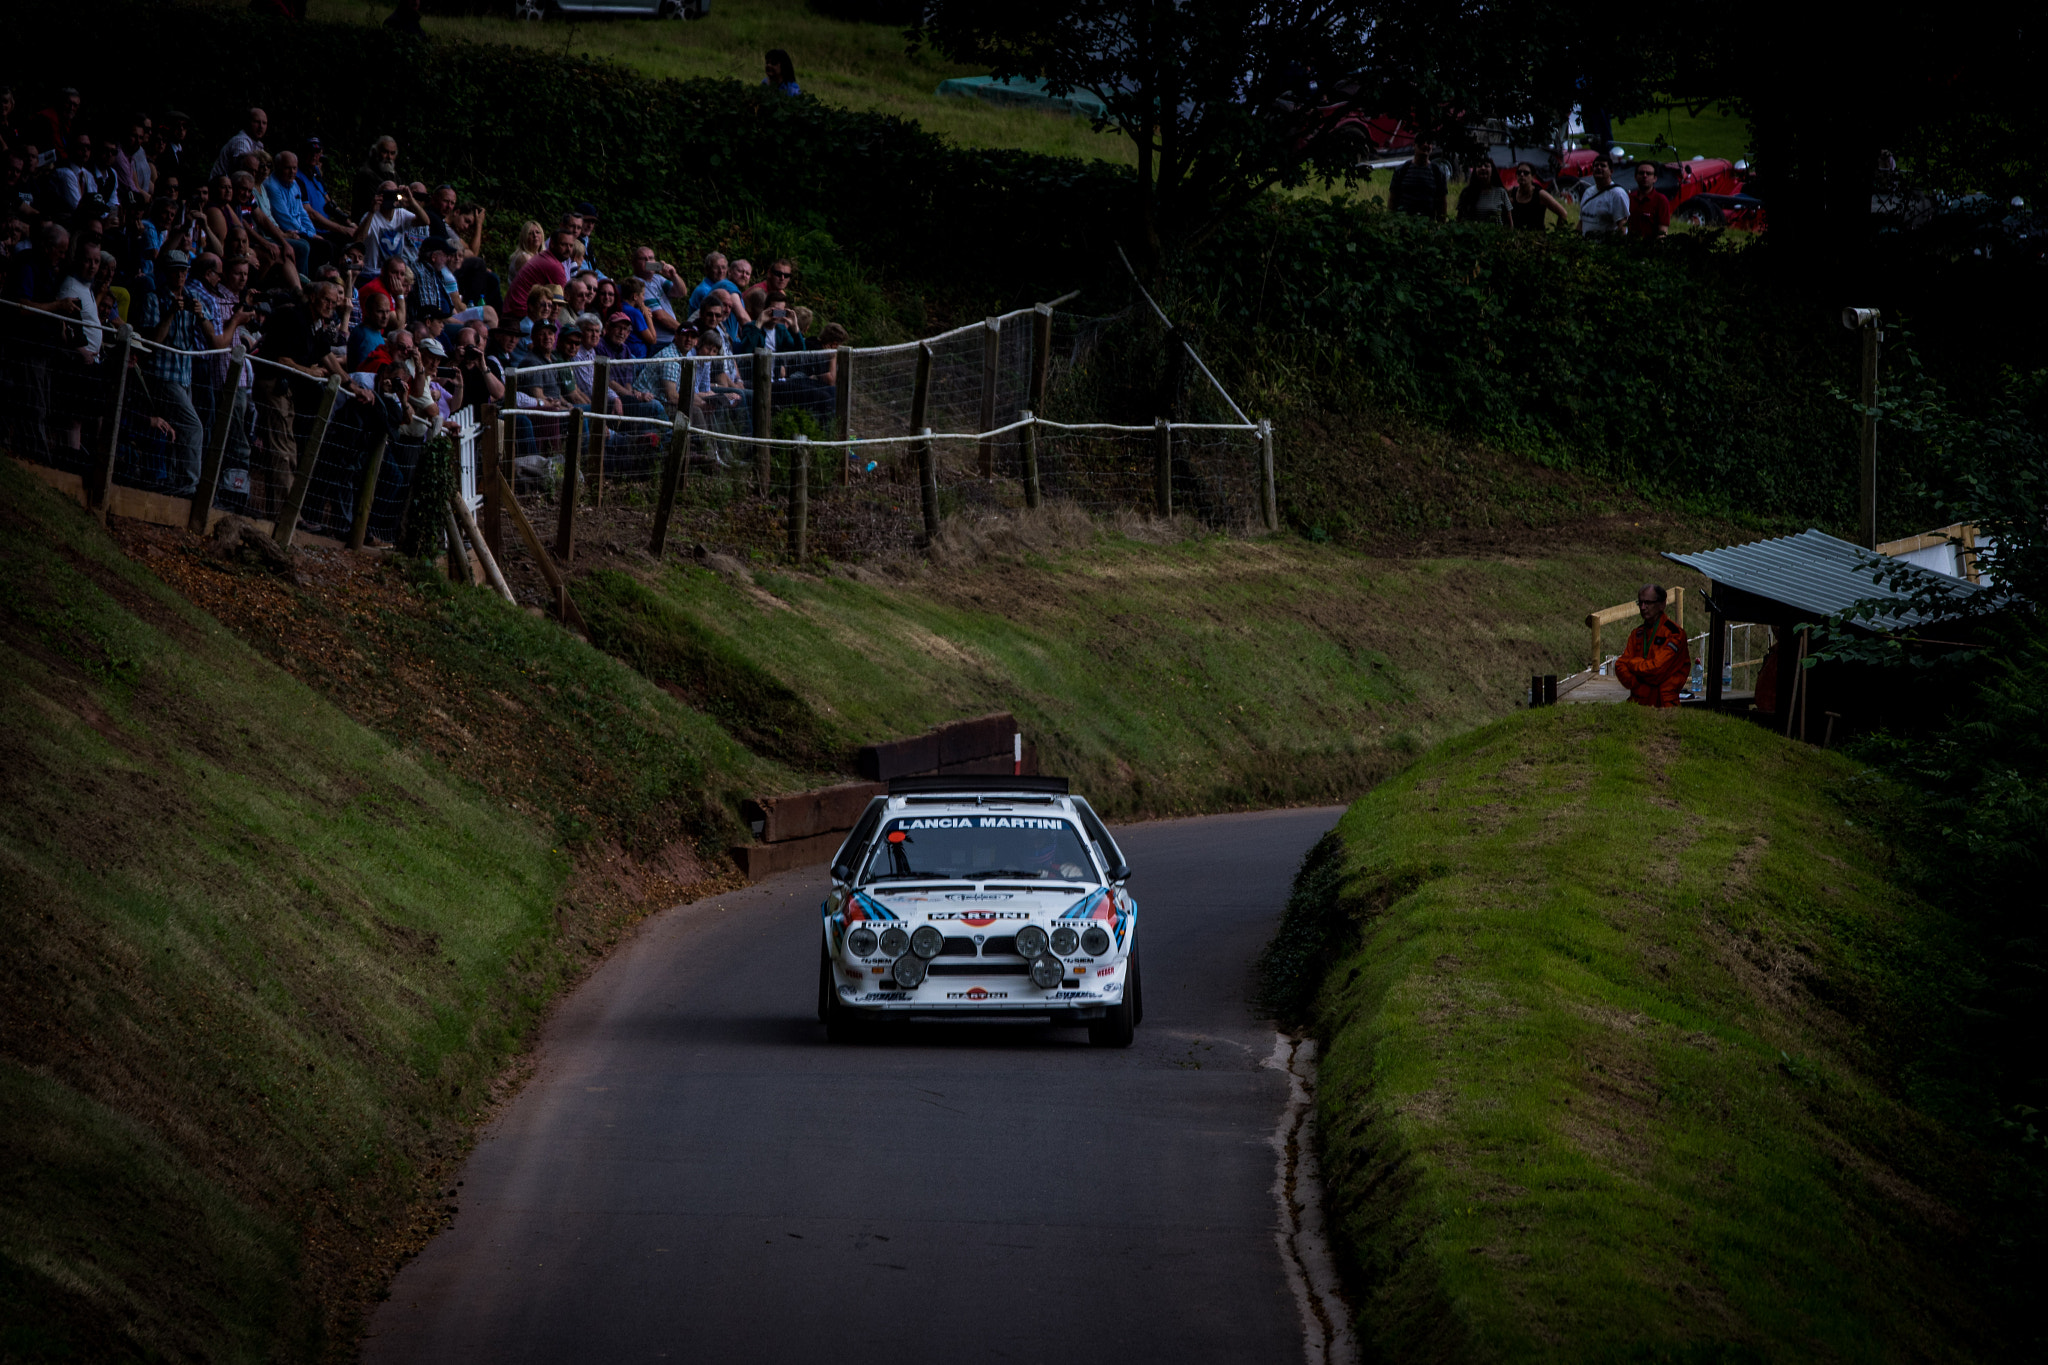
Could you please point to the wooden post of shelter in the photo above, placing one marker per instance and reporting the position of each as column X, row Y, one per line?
column 1162, row 467
column 600, row 400
column 572, row 460
column 671, row 479
column 842, row 403
column 217, row 450
column 991, row 371
column 359, row 528
column 1717, row 650
column 1866, row 504
column 309, row 458
column 800, row 499
column 764, row 420
column 100, row 487
column 1032, row 495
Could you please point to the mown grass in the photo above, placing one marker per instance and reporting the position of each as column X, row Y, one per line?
column 1207, row 673
column 261, row 964
column 854, row 66
column 1636, row 1052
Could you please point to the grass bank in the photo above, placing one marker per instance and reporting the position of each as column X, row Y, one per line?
column 1165, row 675
column 268, row 941
column 1636, row 1050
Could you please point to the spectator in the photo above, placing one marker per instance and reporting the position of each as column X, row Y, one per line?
column 781, row 77
column 1419, row 186
column 540, row 312
column 655, row 285
column 90, row 174
column 385, row 229
column 774, row 329
column 1603, row 205
column 1483, row 200
column 254, row 124
column 533, row 238
column 580, row 296
column 715, row 280
column 285, row 198
column 50, row 130
column 1656, row 661
column 717, row 384
column 546, row 268
column 586, row 235
column 369, row 335
column 288, row 341
column 168, row 318
column 394, row 284
column 178, row 160
column 76, row 372
column 131, row 162
column 573, row 352
column 1649, row 212
column 482, row 381
column 255, row 219
column 380, row 165
column 743, row 280
column 1530, row 204
column 112, row 298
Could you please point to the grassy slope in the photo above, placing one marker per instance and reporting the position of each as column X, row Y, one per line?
column 855, row 66
column 261, row 963
column 1638, row 1059
column 1205, row 674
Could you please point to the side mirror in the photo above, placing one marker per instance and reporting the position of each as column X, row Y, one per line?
column 1120, row 873
column 841, row 872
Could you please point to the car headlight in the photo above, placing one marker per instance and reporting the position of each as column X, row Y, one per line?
column 1047, row 971
column 861, row 943
column 1095, row 941
column 927, row 941
column 895, row 942
column 1064, row 941
column 1030, row 941
column 908, row 970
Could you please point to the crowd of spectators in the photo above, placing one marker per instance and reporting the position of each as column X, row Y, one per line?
column 1524, row 201
column 362, row 277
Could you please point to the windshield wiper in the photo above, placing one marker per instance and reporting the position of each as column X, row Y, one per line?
column 1008, row 872
column 913, row 877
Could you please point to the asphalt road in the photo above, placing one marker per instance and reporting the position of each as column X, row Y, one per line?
column 694, row 1174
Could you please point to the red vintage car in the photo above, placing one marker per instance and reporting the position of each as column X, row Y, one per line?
column 1709, row 190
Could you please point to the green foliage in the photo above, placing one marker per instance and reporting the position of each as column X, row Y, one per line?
column 424, row 533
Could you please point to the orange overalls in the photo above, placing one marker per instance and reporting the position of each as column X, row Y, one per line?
column 1653, row 669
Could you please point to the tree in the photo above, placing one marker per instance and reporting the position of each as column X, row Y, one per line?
column 1224, row 99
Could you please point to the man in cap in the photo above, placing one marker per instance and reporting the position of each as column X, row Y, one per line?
column 168, row 318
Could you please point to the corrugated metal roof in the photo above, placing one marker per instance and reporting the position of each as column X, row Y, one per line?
column 1812, row 572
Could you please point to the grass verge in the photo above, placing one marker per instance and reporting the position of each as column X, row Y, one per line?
column 267, row 942
column 1636, row 1051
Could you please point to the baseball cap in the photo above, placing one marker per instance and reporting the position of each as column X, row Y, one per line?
column 620, row 317
column 587, row 207
column 313, row 140
column 432, row 346
column 175, row 257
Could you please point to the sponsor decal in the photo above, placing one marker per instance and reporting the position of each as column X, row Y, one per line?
column 978, row 993
column 978, row 918
column 1070, row 995
column 1105, row 971
column 975, row 822
column 1095, row 905
column 979, row 896
column 859, row 907
column 889, row 995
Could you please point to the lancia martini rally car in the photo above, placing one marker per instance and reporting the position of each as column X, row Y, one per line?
column 980, row 896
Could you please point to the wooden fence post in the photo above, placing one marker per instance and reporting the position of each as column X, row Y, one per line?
column 921, row 391
column 489, row 452
column 764, row 419
column 800, row 499
column 217, row 450
column 1162, row 466
column 1032, row 498
column 1041, row 354
column 287, row 527
column 101, row 490
column 991, row 362
column 572, row 460
column 458, row 562
column 928, row 483
column 671, row 476
column 360, row 530
column 600, row 403
column 565, row 607
column 843, row 414
column 1269, row 504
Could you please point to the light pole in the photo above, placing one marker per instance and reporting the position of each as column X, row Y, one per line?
column 1869, row 322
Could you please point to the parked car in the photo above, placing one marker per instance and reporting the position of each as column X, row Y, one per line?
column 537, row 10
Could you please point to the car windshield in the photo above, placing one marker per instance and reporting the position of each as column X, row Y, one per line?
column 979, row 846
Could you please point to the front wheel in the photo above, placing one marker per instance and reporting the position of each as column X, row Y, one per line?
column 841, row 1024
column 1119, row 1025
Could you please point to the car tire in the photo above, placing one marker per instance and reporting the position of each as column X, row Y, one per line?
column 842, row 1025
column 1119, row 1025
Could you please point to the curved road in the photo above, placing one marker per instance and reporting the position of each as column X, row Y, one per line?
column 694, row 1174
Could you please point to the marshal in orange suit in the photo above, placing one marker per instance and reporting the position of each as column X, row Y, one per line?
column 1655, row 663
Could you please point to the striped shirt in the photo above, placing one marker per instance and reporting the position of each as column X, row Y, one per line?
column 168, row 367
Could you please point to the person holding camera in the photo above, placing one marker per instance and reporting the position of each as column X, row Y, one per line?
column 383, row 230
column 169, row 318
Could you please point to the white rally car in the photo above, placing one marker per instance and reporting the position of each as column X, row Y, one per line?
column 973, row 896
